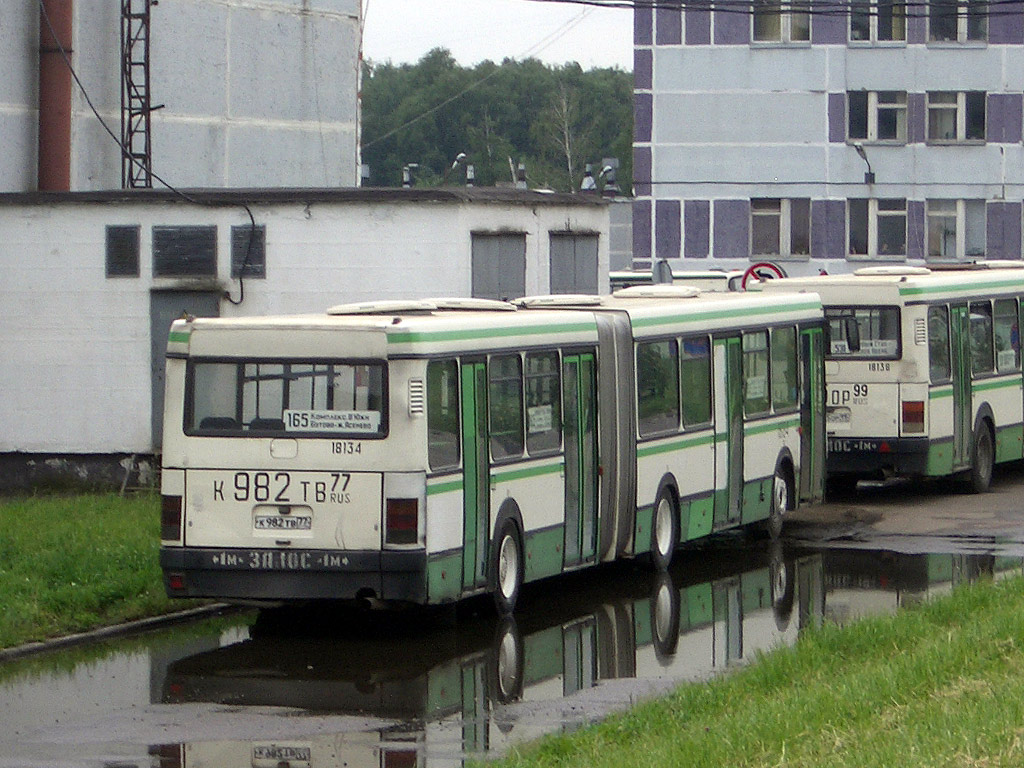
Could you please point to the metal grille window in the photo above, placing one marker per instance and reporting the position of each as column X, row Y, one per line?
column 123, row 251
column 187, row 251
column 248, row 247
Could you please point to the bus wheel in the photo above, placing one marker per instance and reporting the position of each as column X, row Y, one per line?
column 782, row 499
column 507, row 662
column 982, row 459
column 507, row 568
column 664, row 604
column 664, row 529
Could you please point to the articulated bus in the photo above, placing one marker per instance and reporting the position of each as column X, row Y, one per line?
column 429, row 450
column 923, row 370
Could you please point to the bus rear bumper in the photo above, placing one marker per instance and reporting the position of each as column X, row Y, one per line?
column 876, row 457
column 294, row 574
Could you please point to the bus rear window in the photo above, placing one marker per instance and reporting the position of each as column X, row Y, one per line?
column 274, row 397
column 863, row 332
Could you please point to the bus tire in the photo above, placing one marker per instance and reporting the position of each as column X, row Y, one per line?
column 507, row 568
column 664, row 529
column 507, row 662
column 665, row 609
column 781, row 501
column 983, row 456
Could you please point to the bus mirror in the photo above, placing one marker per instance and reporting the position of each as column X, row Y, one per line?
column 852, row 333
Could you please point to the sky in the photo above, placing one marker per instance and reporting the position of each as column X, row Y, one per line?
column 473, row 30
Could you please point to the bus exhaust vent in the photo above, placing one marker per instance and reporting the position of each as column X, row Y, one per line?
column 417, row 398
column 920, row 332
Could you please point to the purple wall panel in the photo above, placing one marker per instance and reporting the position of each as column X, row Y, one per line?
column 696, row 228
column 642, row 24
column 915, row 229
column 667, row 229
column 828, row 229
column 698, row 26
column 668, row 24
column 1002, row 231
column 837, row 117
column 641, row 170
column 1005, row 112
column 917, row 24
column 643, row 68
column 642, row 116
column 917, row 118
column 732, row 229
column 732, row 27
column 829, row 24
column 641, row 229
column 1007, row 26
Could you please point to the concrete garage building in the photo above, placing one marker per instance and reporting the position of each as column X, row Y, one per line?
column 828, row 135
column 92, row 280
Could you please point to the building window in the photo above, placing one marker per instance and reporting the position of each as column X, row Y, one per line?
column 122, row 251
column 249, row 247
column 776, row 22
column 956, row 229
column 957, row 21
column 956, row 116
column 877, row 115
column 189, row 251
column 878, row 21
column 780, row 227
column 877, row 228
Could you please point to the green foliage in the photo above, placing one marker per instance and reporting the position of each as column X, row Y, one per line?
column 553, row 119
column 76, row 562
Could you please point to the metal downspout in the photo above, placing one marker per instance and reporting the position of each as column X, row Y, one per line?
column 55, row 95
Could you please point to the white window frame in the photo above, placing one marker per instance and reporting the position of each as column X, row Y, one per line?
column 959, row 108
column 898, row 17
column 877, row 211
column 952, row 216
column 786, row 11
column 783, row 211
column 962, row 21
column 875, row 107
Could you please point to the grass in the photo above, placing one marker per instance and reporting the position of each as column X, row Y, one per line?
column 77, row 562
column 936, row 685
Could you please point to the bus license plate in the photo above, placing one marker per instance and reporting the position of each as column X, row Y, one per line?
column 274, row 755
column 290, row 522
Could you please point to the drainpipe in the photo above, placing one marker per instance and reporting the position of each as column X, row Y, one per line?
column 54, row 96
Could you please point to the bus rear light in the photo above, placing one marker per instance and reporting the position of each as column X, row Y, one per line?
column 913, row 416
column 176, row 582
column 402, row 521
column 170, row 518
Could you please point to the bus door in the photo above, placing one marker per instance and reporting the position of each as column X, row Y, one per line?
column 960, row 327
column 730, row 511
column 476, row 475
column 579, row 418
column 812, row 409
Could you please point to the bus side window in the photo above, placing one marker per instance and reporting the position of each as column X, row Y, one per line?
column 442, row 414
column 756, row 397
column 505, row 405
column 981, row 337
column 543, row 403
column 1007, row 335
column 784, row 369
column 938, row 344
column 695, row 381
column 657, row 387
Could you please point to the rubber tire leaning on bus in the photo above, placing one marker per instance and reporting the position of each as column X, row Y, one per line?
column 781, row 501
column 982, row 459
column 664, row 528
column 507, row 568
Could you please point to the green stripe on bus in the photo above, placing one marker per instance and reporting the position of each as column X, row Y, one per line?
column 972, row 288
column 420, row 337
column 990, row 385
column 445, row 487
column 676, row 445
column 519, row 474
column 762, row 427
column 719, row 314
column 937, row 393
column 178, row 337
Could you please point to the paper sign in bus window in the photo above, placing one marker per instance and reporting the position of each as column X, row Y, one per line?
column 332, row 421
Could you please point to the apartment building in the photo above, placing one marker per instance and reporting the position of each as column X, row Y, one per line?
column 826, row 136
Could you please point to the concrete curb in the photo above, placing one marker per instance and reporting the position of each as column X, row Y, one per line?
column 116, row 630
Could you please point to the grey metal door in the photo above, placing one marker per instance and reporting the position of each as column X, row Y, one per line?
column 499, row 266
column 573, row 263
column 164, row 308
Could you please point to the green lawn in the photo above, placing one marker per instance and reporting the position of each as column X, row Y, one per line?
column 935, row 685
column 77, row 562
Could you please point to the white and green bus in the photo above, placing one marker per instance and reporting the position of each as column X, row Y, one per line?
column 426, row 451
column 923, row 370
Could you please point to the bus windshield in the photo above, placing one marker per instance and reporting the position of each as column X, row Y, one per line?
column 314, row 399
column 863, row 332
